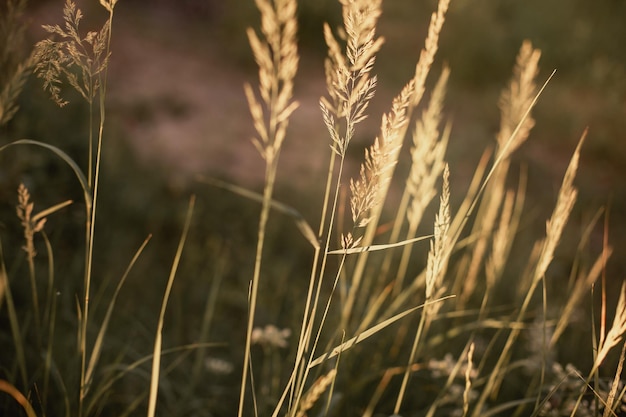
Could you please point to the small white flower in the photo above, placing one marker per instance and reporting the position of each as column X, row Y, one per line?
column 271, row 335
column 218, row 366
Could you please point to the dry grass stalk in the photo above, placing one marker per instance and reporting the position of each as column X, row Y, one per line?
column 560, row 215
column 439, row 248
column 515, row 126
column 616, row 333
column 612, row 396
column 582, row 287
column 277, row 57
column 315, row 392
column 468, row 379
column 13, row 392
column 427, row 156
column 417, row 86
column 31, row 226
column 370, row 190
column 565, row 202
column 503, row 240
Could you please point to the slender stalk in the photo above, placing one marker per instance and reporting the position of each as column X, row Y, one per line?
column 157, row 353
column 91, row 220
column 270, row 176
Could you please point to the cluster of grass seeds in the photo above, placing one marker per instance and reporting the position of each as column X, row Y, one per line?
column 14, row 68
column 376, row 290
column 359, row 349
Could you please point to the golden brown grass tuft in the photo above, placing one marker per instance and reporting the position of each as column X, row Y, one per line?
column 450, row 344
column 315, row 392
column 88, row 55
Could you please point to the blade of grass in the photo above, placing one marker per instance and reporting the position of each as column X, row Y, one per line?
column 373, row 248
column 97, row 348
column 17, row 396
column 370, row 332
column 65, row 157
column 301, row 223
column 156, row 357
column 13, row 320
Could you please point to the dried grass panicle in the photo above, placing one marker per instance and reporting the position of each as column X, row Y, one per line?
column 14, row 69
column 517, row 99
column 431, row 45
column 616, row 333
column 439, row 247
column 25, row 214
column 277, row 58
column 469, row 374
column 316, row 391
column 88, row 55
column 427, row 153
column 556, row 224
column 350, row 86
column 10, row 91
column 380, row 159
column 515, row 104
column 581, row 288
column 502, row 241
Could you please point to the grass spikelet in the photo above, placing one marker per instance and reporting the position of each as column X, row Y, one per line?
column 556, row 224
column 515, row 124
column 350, row 86
column 468, row 379
column 409, row 97
column 439, row 249
column 427, row 153
column 89, row 55
column 565, row 202
column 427, row 162
column 277, row 57
column 380, row 159
column 437, row 263
column 25, row 214
column 14, row 69
column 612, row 396
column 431, row 45
column 582, row 286
column 370, row 190
column 517, row 99
column 32, row 224
column 315, row 392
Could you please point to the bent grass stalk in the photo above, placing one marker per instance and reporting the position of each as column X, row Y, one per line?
column 156, row 356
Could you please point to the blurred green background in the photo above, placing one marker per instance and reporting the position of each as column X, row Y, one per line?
column 176, row 109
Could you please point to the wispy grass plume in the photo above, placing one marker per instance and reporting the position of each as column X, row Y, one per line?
column 277, row 58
